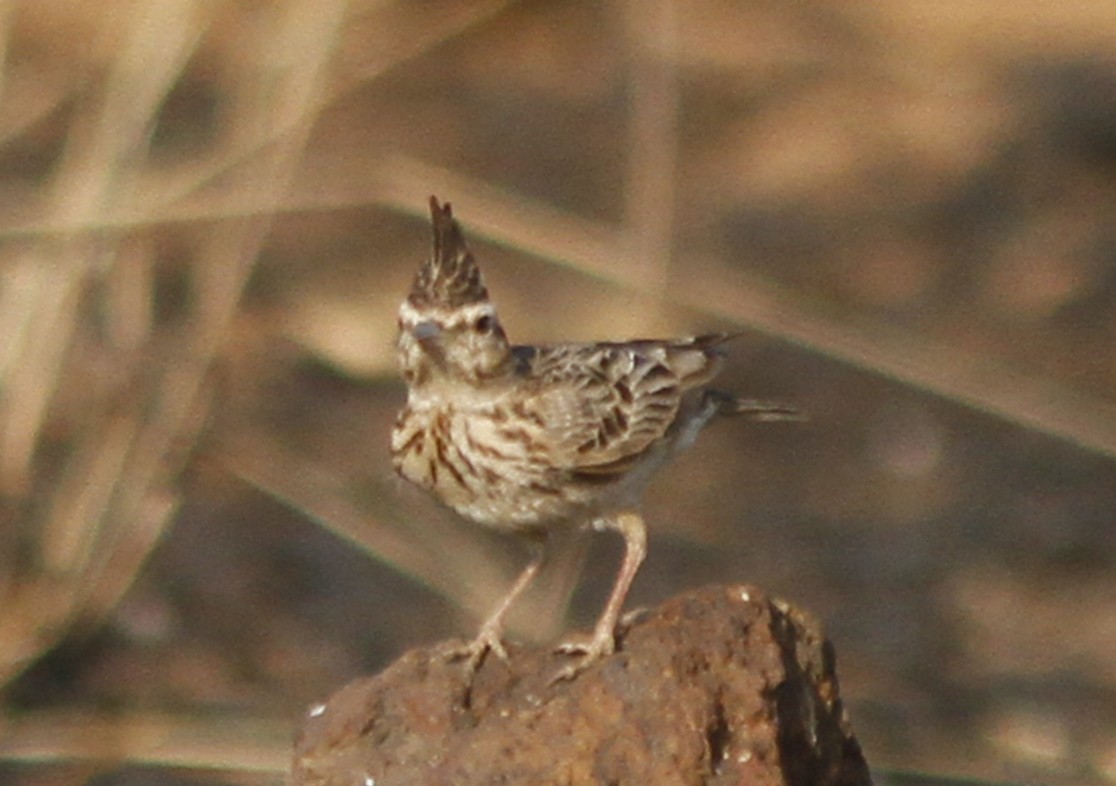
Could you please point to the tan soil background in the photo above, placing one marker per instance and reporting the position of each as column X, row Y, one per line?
column 209, row 211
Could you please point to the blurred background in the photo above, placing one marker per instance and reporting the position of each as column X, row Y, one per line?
column 210, row 211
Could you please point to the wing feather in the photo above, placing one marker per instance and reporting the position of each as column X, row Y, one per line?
column 605, row 405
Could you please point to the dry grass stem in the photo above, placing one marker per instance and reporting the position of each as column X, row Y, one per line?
column 239, row 744
column 649, row 187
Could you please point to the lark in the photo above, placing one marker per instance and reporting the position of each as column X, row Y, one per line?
column 526, row 439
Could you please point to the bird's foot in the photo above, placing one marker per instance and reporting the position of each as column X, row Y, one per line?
column 473, row 653
column 587, row 651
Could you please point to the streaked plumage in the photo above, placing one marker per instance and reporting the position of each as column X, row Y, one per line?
column 522, row 439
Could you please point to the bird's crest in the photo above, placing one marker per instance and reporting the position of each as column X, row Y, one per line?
column 450, row 277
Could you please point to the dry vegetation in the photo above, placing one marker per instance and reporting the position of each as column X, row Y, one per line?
column 210, row 209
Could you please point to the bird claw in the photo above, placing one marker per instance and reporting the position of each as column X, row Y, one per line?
column 588, row 652
column 473, row 653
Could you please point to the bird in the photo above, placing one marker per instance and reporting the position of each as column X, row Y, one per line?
column 527, row 439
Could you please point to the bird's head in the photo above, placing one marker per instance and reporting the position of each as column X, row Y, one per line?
column 448, row 328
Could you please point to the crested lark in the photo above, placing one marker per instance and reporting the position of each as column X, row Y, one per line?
column 523, row 439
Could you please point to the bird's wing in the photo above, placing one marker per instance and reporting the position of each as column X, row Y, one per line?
column 604, row 405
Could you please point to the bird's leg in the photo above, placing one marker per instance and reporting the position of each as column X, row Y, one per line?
column 488, row 639
column 603, row 642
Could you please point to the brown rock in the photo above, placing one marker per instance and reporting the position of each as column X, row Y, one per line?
column 718, row 686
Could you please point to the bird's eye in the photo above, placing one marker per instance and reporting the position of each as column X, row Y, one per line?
column 484, row 324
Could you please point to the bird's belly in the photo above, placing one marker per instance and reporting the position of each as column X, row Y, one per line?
column 491, row 476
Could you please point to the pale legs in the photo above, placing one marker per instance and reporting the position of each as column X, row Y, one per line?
column 491, row 632
column 603, row 642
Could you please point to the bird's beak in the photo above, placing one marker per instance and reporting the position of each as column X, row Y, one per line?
column 426, row 331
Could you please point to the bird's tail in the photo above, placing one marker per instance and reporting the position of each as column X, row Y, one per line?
column 752, row 409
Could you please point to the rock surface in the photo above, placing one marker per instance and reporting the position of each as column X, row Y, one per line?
column 718, row 686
